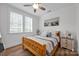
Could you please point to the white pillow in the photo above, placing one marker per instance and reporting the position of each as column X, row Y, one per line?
column 44, row 34
column 54, row 36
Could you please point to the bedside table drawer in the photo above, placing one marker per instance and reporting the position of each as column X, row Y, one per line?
column 69, row 46
column 64, row 45
column 63, row 41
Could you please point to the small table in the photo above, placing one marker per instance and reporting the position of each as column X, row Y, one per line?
column 67, row 43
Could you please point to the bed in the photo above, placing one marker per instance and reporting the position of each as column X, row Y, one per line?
column 41, row 46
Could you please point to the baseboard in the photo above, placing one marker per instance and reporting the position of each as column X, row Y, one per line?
column 13, row 46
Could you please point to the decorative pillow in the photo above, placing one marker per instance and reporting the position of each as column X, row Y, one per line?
column 55, row 34
column 49, row 34
column 44, row 34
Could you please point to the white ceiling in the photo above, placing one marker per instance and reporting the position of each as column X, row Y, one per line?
column 48, row 6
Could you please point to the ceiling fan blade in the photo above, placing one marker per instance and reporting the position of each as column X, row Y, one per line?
column 42, row 8
column 27, row 5
column 34, row 10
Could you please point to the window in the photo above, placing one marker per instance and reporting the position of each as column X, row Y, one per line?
column 28, row 24
column 19, row 24
column 16, row 22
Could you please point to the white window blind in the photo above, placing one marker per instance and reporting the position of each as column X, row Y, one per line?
column 28, row 24
column 19, row 24
column 16, row 22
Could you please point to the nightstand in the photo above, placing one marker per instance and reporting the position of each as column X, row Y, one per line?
column 67, row 43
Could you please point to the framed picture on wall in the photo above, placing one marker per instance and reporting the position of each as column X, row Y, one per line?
column 52, row 22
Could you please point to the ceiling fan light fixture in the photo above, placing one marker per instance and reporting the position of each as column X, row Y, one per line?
column 35, row 6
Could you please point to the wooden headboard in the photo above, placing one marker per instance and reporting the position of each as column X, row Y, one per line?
column 58, row 34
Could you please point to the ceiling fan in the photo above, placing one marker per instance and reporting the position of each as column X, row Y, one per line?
column 36, row 6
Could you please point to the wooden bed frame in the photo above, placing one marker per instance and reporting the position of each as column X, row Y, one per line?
column 37, row 48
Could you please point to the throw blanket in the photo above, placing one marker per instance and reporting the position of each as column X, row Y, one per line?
column 51, row 40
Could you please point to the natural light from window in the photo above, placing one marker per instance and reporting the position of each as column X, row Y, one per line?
column 28, row 24
column 18, row 24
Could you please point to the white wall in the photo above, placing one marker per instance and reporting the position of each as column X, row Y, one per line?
column 67, row 21
column 77, row 24
column 9, row 39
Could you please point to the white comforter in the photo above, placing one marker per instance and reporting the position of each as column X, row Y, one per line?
column 45, row 40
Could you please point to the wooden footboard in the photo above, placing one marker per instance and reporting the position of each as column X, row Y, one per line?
column 34, row 47
column 37, row 48
column 53, row 52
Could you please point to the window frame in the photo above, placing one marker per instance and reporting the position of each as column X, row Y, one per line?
column 22, row 21
column 24, row 24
